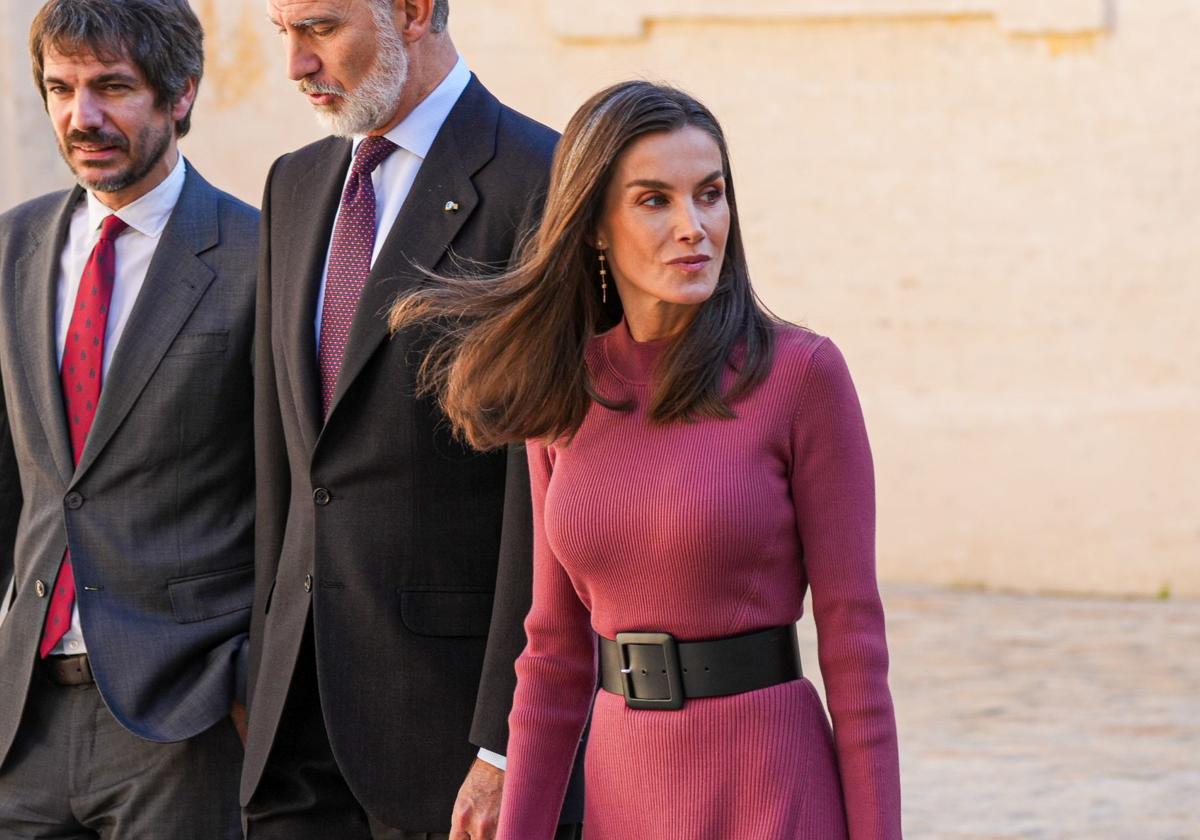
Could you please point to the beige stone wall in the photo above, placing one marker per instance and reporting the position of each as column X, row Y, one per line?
column 991, row 205
column 29, row 164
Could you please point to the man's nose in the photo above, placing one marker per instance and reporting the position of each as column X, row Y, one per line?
column 87, row 114
column 302, row 62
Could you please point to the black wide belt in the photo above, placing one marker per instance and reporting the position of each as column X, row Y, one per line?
column 68, row 670
column 653, row 671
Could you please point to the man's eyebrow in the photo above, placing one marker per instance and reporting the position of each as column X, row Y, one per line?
column 305, row 23
column 115, row 76
column 102, row 79
column 651, row 184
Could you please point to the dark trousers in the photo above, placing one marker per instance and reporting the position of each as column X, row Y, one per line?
column 302, row 794
column 73, row 773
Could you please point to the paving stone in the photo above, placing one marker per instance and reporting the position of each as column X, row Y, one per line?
column 1038, row 717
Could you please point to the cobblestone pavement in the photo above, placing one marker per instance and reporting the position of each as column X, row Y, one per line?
column 1043, row 717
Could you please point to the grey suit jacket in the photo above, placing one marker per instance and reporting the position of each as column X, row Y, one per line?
column 158, row 513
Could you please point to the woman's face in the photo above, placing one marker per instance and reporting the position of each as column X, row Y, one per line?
column 663, row 229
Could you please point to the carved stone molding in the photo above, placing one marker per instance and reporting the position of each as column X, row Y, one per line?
column 587, row 19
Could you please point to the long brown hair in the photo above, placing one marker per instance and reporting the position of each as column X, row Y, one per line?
column 507, row 355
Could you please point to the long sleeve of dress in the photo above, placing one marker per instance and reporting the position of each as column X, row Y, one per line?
column 833, row 491
column 555, row 684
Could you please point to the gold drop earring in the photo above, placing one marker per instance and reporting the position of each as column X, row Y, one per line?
column 603, row 278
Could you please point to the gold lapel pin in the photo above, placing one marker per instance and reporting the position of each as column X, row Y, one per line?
column 451, row 207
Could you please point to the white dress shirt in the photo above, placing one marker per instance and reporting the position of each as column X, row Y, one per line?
column 393, row 180
column 135, row 248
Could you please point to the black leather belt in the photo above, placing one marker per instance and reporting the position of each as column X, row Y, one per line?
column 654, row 671
column 68, row 670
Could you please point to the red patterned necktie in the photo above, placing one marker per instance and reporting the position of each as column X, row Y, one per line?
column 349, row 262
column 82, row 370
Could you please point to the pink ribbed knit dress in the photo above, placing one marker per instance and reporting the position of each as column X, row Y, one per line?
column 705, row 530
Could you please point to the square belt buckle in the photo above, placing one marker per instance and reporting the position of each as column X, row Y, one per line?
column 674, row 699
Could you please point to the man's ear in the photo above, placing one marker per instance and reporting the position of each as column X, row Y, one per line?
column 181, row 106
column 415, row 18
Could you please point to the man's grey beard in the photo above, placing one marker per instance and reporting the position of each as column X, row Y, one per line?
column 373, row 101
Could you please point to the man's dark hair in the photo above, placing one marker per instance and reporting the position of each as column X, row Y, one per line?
column 162, row 37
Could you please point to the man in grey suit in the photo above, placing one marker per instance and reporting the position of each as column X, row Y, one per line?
column 126, row 321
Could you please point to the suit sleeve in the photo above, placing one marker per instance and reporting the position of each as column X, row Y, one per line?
column 272, row 477
column 514, row 587
column 10, row 499
column 514, row 573
column 833, row 489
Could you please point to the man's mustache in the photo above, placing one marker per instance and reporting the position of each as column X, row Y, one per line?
column 95, row 138
column 309, row 86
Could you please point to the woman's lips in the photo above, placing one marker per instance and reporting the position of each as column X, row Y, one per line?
column 690, row 264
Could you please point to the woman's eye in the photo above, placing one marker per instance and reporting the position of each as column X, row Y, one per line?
column 654, row 201
column 712, row 195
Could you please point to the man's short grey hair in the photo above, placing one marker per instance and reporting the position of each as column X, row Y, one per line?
column 437, row 22
column 441, row 15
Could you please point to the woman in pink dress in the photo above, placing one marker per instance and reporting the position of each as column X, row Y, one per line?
column 697, row 465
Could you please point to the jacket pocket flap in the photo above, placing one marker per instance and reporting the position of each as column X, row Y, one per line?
column 446, row 613
column 189, row 344
column 198, row 597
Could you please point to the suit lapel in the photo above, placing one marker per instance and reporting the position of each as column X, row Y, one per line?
column 312, row 223
column 175, row 282
column 37, row 305
column 424, row 229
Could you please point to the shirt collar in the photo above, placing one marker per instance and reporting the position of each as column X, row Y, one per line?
column 149, row 214
column 416, row 132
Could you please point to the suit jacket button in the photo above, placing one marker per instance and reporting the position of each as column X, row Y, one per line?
column 308, row 583
column 39, row 587
column 74, row 500
column 321, row 496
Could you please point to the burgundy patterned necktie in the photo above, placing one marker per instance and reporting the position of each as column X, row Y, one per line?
column 349, row 262
column 82, row 370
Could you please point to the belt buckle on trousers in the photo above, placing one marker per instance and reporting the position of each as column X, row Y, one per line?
column 68, row 670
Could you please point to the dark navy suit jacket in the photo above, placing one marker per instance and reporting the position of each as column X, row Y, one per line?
column 411, row 554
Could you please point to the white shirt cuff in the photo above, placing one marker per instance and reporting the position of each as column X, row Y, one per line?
column 495, row 759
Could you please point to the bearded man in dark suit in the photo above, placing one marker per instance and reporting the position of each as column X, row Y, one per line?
column 392, row 563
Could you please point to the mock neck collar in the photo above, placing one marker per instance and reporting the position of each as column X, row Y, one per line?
column 634, row 361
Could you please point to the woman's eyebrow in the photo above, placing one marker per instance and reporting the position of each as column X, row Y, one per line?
column 653, row 184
